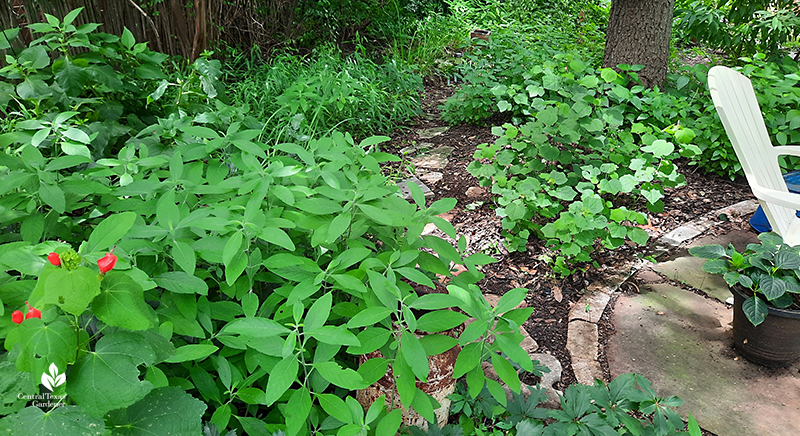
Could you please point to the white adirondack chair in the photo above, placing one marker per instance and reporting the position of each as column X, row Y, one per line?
column 738, row 109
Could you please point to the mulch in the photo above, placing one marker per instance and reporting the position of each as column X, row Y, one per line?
column 552, row 297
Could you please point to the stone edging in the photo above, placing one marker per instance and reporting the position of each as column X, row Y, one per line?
column 582, row 331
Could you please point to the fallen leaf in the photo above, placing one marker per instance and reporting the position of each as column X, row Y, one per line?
column 557, row 293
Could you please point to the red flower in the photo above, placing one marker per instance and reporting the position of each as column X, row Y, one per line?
column 54, row 259
column 17, row 317
column 32, row 312
column 107, row 262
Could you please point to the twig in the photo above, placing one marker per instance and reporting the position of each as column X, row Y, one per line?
column 152, row 24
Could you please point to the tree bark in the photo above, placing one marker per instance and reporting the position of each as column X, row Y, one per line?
column 638, row 34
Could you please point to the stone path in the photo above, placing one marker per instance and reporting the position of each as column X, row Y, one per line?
column 682, row 343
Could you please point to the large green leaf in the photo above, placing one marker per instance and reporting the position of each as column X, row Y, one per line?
column 109, row 231
column 342, row 377
column 440, row 320
column 41, row 345
column 164, row 411
column 108, row 378
column 53, row 196
column 192, row 352
column 772, row 287
column 468, row 358
column 61, row 421
column 506, row 372
column 787, row 259
column 14, row 385
column 121, row 303
column 255, row 327
column 280, row 378
column 755, row 309
column 369, row 316
column 414, row 354
column 181, row 283
column 72, row 290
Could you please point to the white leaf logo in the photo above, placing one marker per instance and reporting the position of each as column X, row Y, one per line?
column 54, row 379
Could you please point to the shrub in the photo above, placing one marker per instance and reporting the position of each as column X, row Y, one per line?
column 740, row 28
column 248, row 278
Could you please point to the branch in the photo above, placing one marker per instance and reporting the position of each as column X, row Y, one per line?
column 152, row 24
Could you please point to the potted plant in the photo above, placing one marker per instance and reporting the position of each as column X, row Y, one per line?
column 764, row 283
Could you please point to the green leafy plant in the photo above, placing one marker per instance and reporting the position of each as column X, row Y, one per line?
column 626, row 405
column 741, row 28
column 246, row 279
column 572, row 172
column 769, row 271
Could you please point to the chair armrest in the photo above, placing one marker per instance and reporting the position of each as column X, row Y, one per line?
column 793, row 150
column 786, row 199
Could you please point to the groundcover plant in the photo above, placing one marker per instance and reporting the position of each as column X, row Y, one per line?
column 181, row 270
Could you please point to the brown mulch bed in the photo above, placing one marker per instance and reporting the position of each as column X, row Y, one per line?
column 552, row 297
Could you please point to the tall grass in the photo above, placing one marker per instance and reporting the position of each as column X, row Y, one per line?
column 302, row 97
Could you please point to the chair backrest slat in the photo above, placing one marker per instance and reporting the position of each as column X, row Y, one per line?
column 737, row 106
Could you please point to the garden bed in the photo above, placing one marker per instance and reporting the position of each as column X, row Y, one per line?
column 552, row 297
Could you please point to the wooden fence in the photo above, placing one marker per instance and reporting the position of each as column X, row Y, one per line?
column 170, row 26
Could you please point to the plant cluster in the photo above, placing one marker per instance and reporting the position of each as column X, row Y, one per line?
column 775, row 85
column 579, row 155
column 740, row 28
column 626, row 405
column 584, row 145
column 188, row 271
column 304, row 97
column 769, row 271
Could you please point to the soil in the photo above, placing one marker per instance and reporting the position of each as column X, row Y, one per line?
column 552, row 297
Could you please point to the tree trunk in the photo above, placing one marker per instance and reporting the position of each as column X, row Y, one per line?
column 638, row 34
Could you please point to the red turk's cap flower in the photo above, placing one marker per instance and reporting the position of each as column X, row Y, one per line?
column 54, row 259
column 107, row 262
